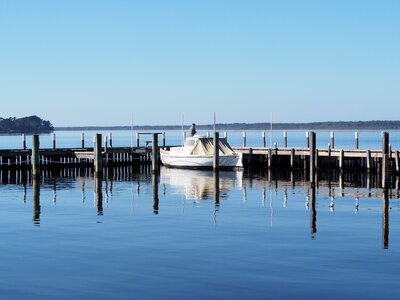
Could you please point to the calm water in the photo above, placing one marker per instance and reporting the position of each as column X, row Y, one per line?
column 177, row 236
column 368, row 139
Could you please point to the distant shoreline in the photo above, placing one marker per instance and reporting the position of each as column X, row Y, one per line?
column 340, row 125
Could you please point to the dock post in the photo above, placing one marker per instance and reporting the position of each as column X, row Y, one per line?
column 110, row 139
column 154, row 154
column 35, row 156
column 264, row 144
column 250, row 158
column 356, row 139
column 307, row 139
column 24, row 141
column 396, row 158
column 292, row 157
column 54, row 141
column 83, row 140
column 341, row 159
column 163, row 139
column 385, row 158
column 137, row 139
column 269, row 158
column 105, row 143
column 332, row 140
column 98, row 161
column 312, row 156
column 244, row 138
column 225, row 135
column 368, row 159
column 284, row 139
column 216, row 151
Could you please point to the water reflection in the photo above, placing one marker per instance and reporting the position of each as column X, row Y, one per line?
column 201, row 184
column 36, row 201
column 251, row 187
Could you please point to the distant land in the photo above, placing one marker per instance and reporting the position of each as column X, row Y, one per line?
column 31, row 124
column 330, row 125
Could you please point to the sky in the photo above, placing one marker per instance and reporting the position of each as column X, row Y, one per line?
column 85, row 63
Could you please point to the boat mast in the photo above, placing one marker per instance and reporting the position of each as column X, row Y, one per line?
column 270, row 132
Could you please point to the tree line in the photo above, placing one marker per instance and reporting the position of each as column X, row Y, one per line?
column 31, row 124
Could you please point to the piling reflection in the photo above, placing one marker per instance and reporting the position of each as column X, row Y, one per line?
column 98, row 183
column 155, row 193
column 385, row 218
column 36, row 201
column 313, row 211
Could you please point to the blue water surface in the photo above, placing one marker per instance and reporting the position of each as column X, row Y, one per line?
column 175, row 236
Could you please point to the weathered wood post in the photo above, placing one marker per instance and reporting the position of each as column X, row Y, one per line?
column 216, row 151
column 110, row 139
column 154, row 154
column 341, row 159
column 244, row 139
column 54, row 141
column 250, row 158
column 105, row 143
column 82, row 140
column 307, row 139
column 264, row 143
column 269, row 158
column 163, row 139
column 313, row 146
column 356, row 140
column 368, row 158
column 24, row 141
column 98, row 160
column 225, row 135
column 396, row 159
column 35, row 156
column 284, row 139
column 292, row 157
column 137, row 139
column 332, row 140
column 385, row 158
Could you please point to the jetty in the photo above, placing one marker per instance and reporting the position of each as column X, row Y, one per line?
column 103, row 154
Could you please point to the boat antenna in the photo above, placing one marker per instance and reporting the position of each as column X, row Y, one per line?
column 270, row 131
column 183, row 121
column 215, row 122
column 131, row 130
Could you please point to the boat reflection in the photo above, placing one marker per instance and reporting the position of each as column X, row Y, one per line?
column 200, row 184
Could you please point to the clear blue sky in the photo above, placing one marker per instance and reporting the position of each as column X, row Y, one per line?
column 95, row 62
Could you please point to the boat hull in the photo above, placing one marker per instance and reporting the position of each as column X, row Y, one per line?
column 200, row 161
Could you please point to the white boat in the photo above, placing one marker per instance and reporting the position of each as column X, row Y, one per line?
column 198, row 153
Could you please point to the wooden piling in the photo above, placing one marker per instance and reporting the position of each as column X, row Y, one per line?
column 341, row 159
column 163, row 139
column 154, row 153
column 24, row 141
column 98, row 160
column 356, row 144
column 54, row 141
column 264, row 143
column 244, row 139
column 385, row 158
column 396, row 159
column 216, row 151
column 332, row 140
column 35, row 156
column 250, row 157
column 312, row 156
column 285, row 139
column 307, row 139
column 137, row 139
column 292, row 157
column 368, row 157
column 105, row 143
column 82, row 140
column 110, row 139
